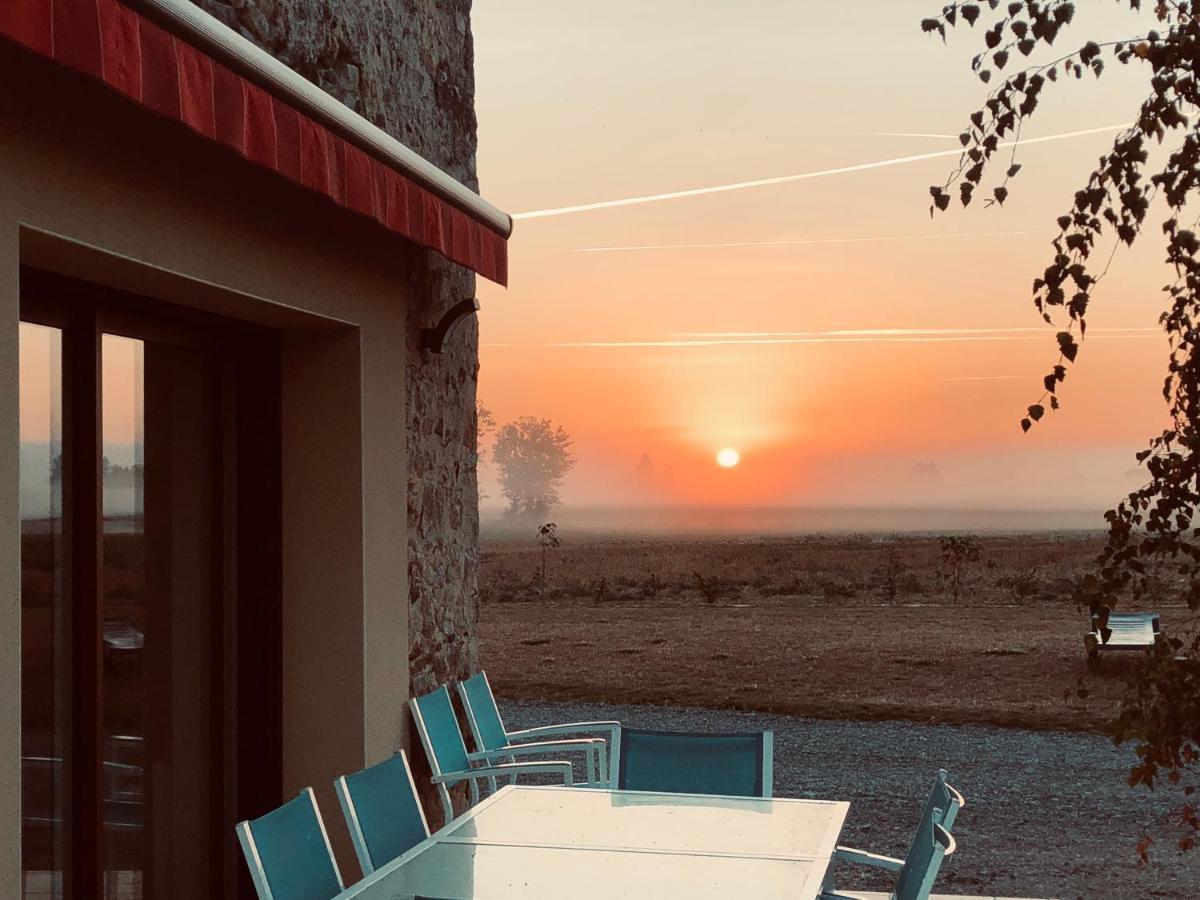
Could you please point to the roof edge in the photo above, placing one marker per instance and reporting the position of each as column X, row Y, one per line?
column 188, row 21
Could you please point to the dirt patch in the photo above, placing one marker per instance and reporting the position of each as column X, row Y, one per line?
column 826, row 627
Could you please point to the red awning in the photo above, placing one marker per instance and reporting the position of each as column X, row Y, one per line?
column 162, row 72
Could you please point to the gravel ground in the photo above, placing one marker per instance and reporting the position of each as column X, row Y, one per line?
column 1048, row 813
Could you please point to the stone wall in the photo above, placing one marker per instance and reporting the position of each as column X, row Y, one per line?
column 408, row 66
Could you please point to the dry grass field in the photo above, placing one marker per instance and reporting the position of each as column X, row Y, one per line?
column 846, row 627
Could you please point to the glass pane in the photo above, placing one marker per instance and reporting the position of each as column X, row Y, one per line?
column 124, row 616
column 45, row 640
column 161, row 591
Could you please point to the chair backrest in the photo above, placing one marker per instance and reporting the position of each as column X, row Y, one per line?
column 383, row 811
column 735, row 765
column 945, row 799
column 440, row 735
column 483, row 716
column 288, row 852
column 932, row 844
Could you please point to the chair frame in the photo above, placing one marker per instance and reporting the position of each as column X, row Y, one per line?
column 258, row 873
column 595, row 749
column 768, row 759
column 944, row 845
column 473, row 775
column 942, row 822
column 357, row 837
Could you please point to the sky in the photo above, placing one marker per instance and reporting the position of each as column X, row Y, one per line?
column 853, row 350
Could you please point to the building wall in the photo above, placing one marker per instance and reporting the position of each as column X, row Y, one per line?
column 96, row 188
column 408, row 66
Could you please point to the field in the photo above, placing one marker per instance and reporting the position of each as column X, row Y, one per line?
column 836, row 627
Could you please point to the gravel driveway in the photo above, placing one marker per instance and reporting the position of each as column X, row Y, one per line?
column 1048, row 813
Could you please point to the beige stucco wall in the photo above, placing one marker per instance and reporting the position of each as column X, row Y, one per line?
column 96, row 188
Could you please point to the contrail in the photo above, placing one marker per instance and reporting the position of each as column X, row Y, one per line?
column 860, row 336
column 785, row 179
column 916, row 134
column 800, row 241
column 989, row 378
column 902, row 332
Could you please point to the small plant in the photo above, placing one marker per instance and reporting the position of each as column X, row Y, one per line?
column 958, row 552
column 836, row 589
column 651, row 586
column 1024, row 583
column 709, row 589
column 602, row 594
column 891, row 575
column 548, row 539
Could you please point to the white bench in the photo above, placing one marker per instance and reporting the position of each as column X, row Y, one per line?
column 1127, row 631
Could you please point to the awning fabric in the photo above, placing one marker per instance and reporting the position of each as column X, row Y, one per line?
column 160, row 71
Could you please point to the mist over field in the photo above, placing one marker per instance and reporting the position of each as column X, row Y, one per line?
column 666, row 521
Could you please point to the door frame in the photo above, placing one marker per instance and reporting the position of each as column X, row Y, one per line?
column 250, row 564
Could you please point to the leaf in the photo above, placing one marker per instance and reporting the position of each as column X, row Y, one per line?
column 1026, row 425
column 1067, row 345
column 1012, row 170
column 1026, row 46
column 928, row 25
column 1001, row 193
column 970, row 12
column 1089, row 52
column 1036, row 412
column 1000, row 58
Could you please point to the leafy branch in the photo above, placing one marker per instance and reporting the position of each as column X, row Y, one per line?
column 1154, row 528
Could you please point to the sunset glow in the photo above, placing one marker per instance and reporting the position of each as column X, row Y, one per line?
column 724, row 246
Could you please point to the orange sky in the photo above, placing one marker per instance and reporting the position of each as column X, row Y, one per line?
column 580, row 103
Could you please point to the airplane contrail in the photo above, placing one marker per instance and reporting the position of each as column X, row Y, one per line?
column 800, row 241
column 913, row 134
column 902, row 332
column 859, row 336
column 989, row 378
column 785, row 179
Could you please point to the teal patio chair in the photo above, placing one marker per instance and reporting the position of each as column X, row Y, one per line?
column 489, row 733
column 734, row 765
column 449, row 760
column 288, row 852
column 931, row 844
column 383, row 811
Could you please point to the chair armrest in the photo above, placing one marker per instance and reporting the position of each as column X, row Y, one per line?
column 554, row 767
column 584, row 744
column 862, row 857
column 527, row 734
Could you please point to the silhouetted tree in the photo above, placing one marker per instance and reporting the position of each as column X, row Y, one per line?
column 485, row 424
column 533, row 457
column 1154, row 527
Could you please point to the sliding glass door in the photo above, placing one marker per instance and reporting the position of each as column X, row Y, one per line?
column 145, row 465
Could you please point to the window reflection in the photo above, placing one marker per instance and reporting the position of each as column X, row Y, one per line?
column 123, row 612
column 45, row 639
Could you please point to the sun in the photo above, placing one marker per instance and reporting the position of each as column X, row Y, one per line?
column 727, row 457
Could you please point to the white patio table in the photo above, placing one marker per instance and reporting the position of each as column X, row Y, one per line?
column 542, row 842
